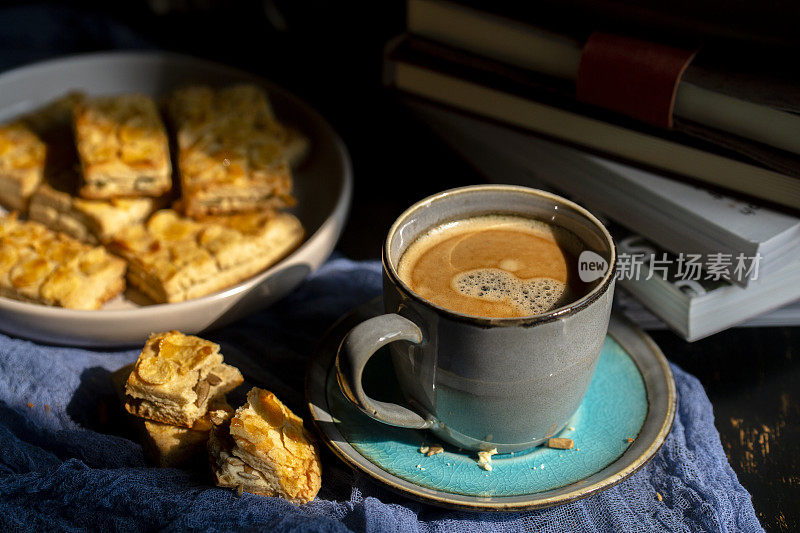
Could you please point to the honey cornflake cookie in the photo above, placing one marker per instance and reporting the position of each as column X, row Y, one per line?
column 233, row 155
column 166, row 445
column 174, row 258
column 265, row 450
column 22, row 159
column 41, row 266
column 176, row 377
column 122, row 146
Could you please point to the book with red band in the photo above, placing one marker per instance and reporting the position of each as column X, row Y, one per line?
column 631, row 76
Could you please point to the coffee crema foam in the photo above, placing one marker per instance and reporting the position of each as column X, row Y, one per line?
column 494, row 266
column 528, row 296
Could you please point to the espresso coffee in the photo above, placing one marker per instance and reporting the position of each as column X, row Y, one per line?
column 496, row 266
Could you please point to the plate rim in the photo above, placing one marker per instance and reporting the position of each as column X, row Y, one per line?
column 340, row 210
column 624, row 333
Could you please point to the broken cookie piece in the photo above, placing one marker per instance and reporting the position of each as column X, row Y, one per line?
column 560, row 443
column 430, row 450
column 231, row 471
column 176, row 377
column 166, row 445
column 265, row 450
column 485, row 459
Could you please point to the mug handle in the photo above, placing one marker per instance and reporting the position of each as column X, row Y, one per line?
column 357, row 347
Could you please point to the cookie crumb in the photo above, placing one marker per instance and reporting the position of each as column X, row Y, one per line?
column 629, row 440
column 30, row 405
column 47, row 407
column 485, row 459
column 571, row 428
column 660, row 498
column 560, row 443
column 432, row 450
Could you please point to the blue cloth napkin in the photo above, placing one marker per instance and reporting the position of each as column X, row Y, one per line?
column 67, row 461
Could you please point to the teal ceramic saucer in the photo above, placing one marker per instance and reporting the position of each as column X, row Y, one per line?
column 623, row 420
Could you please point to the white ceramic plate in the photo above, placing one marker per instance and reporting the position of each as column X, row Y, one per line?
column 323, row 187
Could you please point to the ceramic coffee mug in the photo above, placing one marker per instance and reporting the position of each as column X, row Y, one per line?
column 479, row 383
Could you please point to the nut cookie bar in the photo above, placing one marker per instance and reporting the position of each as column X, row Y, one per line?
column 122, row 146
column 41, row 142
column 265, row 450
column 22, row 159
column 176, row 377
column 166, row 445
column 56, row 203
column 232, row 153
column 41, row 266
column 173, row 258
column 90, row 221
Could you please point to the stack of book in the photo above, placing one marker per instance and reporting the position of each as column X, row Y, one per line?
column 705, row 213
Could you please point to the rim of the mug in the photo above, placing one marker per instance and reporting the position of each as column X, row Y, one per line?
column 560, row 312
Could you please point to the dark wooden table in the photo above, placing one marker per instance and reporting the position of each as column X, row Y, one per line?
column 330, row 54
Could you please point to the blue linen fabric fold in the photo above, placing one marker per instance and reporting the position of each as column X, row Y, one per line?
column 68, row 461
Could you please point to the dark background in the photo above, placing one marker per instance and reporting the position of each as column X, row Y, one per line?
column 329, row 53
